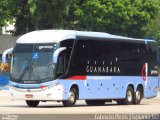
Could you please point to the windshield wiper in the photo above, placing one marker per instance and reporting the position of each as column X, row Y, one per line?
column 23, row 72
column 35, row 70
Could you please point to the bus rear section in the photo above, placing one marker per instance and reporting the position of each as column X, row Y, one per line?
column 114, row 69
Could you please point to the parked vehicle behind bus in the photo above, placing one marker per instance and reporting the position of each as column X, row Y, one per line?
column 158, row 56
column 68, row 65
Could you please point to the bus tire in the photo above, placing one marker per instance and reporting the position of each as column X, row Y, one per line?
column 138, row 96
column 95, row 102
column 128, row 99
column 129, row 96
column 32, row 103
column 71, row 99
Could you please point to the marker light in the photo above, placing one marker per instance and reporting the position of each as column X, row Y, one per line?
column 42, row 87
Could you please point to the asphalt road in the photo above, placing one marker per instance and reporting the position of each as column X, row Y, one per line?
column 53, row 110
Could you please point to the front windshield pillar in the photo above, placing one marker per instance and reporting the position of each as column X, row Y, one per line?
column 56, row 54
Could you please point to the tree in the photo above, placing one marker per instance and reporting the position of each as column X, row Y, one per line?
column 148, row 9
column 133, row 18
column 38, row 14
column 20, row 10
column 122, row 17
column 153, row 29
column 50, row 14
column 4, row 12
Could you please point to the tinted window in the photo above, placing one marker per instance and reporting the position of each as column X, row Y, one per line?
column 80, row 57
column 133, row 52
column 69, row 45
column 64, row 57
column 21, row 48
column 152, row 52
column 116, row 56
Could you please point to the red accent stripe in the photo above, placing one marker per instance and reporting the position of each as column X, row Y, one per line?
column 77, row 78
column 144, row 72
column 42, row 87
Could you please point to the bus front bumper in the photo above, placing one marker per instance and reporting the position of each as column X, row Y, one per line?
column 44, row 94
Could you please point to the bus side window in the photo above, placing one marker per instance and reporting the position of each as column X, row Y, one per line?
column 80, row 57
column 61, row 64
column 152, row 51
column 67, row 53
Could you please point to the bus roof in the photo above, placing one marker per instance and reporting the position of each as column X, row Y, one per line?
column 51, row 36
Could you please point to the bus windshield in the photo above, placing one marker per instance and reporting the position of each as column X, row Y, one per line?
column 33, row 63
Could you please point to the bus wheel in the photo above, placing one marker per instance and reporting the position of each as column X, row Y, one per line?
column 138, row 96
column 71, row 99
column 95, row 102
column 32, row 103
column 129, row 97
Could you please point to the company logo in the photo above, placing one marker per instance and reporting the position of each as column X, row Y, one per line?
column 102, row 67
column 45, row 47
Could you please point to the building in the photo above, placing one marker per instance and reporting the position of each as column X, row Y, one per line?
column 6, row 42
column 8, row 28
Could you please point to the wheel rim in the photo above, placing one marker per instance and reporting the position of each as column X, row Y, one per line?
column 71, row 98
column 129, row 95
column 138, row 95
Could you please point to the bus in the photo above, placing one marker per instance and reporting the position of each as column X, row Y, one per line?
column 69, row 65
column 158, row 52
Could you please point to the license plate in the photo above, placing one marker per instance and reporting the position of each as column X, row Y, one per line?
column 29, row 96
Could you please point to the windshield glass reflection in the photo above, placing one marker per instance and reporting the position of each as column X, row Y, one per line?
column 33, row 63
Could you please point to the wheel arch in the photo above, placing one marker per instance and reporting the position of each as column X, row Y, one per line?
column 126, row 87
column 128, row 99
column 131, row 85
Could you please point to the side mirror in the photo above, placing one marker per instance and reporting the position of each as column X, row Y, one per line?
column 56, row 53
column 4, row 54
